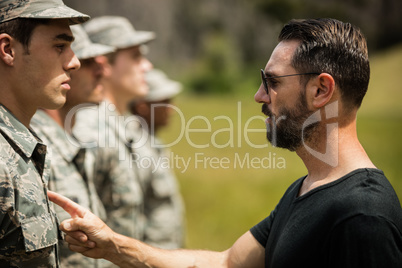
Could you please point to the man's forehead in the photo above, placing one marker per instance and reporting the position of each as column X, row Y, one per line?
column 281, row 57
column 56, row 29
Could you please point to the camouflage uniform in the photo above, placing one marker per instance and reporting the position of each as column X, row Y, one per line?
column 70, row 177
column 29, row 229
column 28, row 226
column 160, row 212
column 115, row 180
column 117, row 183
column 164, row 208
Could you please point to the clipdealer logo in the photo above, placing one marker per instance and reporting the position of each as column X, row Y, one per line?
column 330, row 156
column 112, row 130
column 109, row 129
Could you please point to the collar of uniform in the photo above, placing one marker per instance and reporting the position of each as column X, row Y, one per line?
column 58, row 139
column 25, row 139
column 136, row 128
column 118, row 122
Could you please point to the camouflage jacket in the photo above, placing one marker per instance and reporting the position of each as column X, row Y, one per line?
column 28, row 225
column 163, row 204
column 69, row 177
column 118, row 187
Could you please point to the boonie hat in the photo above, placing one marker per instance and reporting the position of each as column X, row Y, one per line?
column 116, row 31
column 39, row 9
column 160, row 86
column 83, row 46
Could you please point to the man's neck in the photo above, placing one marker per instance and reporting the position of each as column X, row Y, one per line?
column 62, row 118
column 56, row 116
column 119, row 100
column 21, row 112
column 332, row 155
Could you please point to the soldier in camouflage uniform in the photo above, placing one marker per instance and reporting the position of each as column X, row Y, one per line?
column 35, row 62
column 164, row 208
column 106, row 125
column 72, row 166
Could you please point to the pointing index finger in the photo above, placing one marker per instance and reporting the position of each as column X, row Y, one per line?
column 69, row 206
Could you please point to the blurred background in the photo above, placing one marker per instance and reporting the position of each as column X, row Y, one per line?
column 216, row 48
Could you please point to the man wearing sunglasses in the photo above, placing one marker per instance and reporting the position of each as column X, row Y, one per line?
column 343, row 213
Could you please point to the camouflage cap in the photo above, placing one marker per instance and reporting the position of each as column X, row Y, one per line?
column 39, row 9
column 116, row 31
column 83, row 46
column 160, row 86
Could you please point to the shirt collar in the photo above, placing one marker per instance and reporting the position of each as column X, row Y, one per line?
column 25, row 139
column 55, row 134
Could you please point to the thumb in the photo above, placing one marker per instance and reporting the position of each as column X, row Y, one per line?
column 75, row 224
column 81, row 226
column 72, row 229
column 68, row 226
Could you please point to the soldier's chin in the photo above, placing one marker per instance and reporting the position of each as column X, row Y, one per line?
column 55, row 104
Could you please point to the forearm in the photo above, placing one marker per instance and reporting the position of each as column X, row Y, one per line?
column 129, row 252
column 87, row 234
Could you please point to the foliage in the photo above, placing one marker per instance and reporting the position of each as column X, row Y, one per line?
column 379, row 19
column 248, row 27
column 218, row 65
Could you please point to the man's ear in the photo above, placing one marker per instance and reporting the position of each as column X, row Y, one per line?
column 106, row 66
column 322, row 89
column 6, row 49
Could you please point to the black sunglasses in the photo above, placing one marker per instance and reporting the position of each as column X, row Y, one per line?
column 265, row 83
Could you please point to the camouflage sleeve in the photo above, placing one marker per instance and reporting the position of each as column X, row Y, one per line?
column 164, row 210
column 115, row 181
column 120, row 194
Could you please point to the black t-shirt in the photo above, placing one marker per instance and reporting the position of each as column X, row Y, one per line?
column 355, row 221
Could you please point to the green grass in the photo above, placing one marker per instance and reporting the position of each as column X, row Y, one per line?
column 223, row 202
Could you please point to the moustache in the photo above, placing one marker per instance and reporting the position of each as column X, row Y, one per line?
column 265, row 110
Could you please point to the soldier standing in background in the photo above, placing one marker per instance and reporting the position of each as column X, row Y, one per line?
column 36, row 61
column 106, row 127
column 72, row 166
column 164, row 208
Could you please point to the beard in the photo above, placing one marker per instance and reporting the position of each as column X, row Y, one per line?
column 286, row 129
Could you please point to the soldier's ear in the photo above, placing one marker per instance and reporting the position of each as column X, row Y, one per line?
column 6, row 49
column 106, row 66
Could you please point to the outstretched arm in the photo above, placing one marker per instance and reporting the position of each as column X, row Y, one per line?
column 90, row 236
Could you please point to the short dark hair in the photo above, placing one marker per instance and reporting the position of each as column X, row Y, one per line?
column 334, row 47
column 21, row 29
